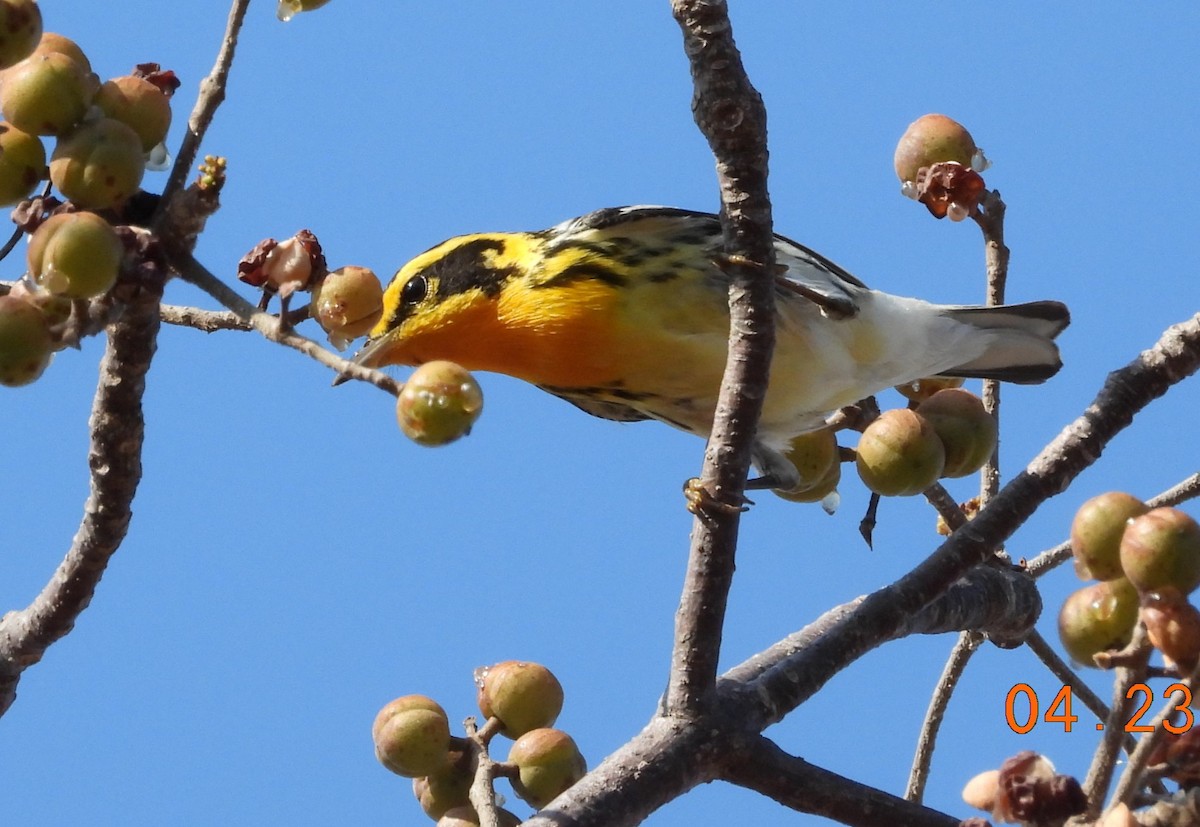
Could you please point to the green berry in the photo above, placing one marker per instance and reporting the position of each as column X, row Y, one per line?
column 967, row 431
column 439, row 403
column 446, row 789
column 900, row 454
column 52, row 42
column 921, row 389
column 524, row 696
column 48, row 93
column 929, row 140
column 99, row 165
column 1096, row 533
column 77, row 255
column 140, row 105
column 412, row 736
column 1161, row 549
column 1098, row 618
column 287, row 9
column 22, row 163
column 347, row 303
column 1173, row 627
column 20, row 30
column 26, row 345
column 548, row 762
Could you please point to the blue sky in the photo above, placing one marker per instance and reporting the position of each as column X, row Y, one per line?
column 294, row 562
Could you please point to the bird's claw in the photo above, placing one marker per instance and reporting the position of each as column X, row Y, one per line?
column 701, row 501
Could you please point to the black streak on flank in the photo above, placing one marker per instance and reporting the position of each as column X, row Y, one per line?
column 464, row 268
column 585, row 272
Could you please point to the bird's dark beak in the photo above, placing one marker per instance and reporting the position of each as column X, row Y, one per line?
column 369, row 356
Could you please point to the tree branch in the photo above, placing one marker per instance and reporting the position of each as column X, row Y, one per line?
column 791, row 671
column 730, row 113
column 115, row 460
column 807, row 788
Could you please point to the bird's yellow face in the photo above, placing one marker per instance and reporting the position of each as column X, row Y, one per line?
column 481, row 301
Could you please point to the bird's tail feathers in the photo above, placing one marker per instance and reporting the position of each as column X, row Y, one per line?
column 1023, row 350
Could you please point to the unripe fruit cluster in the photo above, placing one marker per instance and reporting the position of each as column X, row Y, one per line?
column 75, row 255
column 906, row 450
column 1141, row 556
column 103, row 132
column 520, row 700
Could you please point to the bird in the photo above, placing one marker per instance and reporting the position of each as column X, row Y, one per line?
column 624, row 312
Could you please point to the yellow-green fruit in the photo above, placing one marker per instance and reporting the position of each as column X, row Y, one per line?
column 1173, row 626
column 439, row 403
column 818, row 491
column 467, row 817
column 77, row 255
column 48, row 93
column 287, row 9
column 445, row 789
column 20, row 30
column 549, row 762
column 26, row 346
column 1098, row 618
column 967, row 431
column 900, row 454
column 524, row 696
column 139, row 104
column 1096, row 533
column 52, row 42
column 348, row 302
column 99, row 165
column 1161, row 549
column 412, row 736
column 929, row 140
column 814, row 455
column 22, row 163
column 921, row 389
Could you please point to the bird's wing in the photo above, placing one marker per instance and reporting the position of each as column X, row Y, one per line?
column 804, row 271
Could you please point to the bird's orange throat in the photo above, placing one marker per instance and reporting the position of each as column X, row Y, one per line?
column 547, row 336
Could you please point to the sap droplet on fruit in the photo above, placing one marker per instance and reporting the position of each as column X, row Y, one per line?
column 831, row 501
column 286, row 10
column 979, row 161
column 909, row 190
column 957, row 212
column 158, row 158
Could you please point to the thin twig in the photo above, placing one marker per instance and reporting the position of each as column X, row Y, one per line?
column 212, row 93
column 991, row 221
column 731, row 115
column 482, row 792
column 1131, row 778
column 1104, row 761
column 268, row 325
column 795, row 783
column 966, row 646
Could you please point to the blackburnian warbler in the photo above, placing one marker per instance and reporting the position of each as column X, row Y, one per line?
column 624, row 312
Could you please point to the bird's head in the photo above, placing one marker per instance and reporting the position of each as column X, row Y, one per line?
column 443, row 303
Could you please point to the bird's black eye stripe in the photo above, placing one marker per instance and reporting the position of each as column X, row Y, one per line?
column 414, row 290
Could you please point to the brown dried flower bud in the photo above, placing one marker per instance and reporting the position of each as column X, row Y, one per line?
column 165, row 80
column 949, row 189
column 283, row 266
column 1030, row 791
